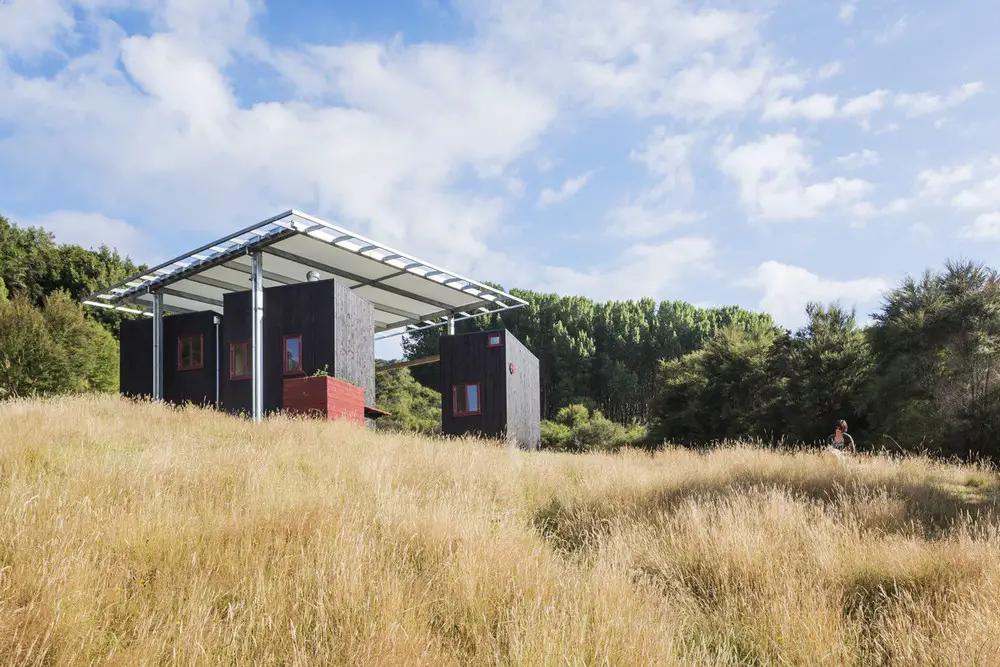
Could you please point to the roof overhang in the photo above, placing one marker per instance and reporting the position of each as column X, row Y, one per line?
column 408, row 294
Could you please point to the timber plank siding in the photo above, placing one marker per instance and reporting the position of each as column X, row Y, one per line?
column 509, row 405
column 354, row 341
column 524, row 401
column 196, row 385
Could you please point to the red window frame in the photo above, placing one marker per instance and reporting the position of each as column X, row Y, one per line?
column 232, row 360
column 285, row 370
column 454, row 400
column 200, row 338
column 498, row 336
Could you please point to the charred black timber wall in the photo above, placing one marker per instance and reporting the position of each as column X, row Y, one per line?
column 179, row 386
column 321, row 312
column 509, row 403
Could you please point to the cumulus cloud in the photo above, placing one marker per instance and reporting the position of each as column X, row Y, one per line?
column 814, row 107
column 786, row 289
column 568, row 189
column 660, row 207
column 847, row 11
column 831, row 70
column 986, row 227
column 934, row 183
column 642, row 270
column 859, row 159
column 923, row 104
column 91, row 230
column 771, row 174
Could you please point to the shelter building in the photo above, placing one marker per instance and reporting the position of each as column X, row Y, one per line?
column 232, row 322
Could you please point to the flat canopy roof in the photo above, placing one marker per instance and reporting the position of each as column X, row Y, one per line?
column 408, row 294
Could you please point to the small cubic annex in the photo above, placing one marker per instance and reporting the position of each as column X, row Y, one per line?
column 490, row 387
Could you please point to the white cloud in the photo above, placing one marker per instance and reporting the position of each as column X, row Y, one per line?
column 814, row 107
column 659, row 208
column 787, row 289
column 568, row 189
column 28, row 27
column 865, row 105
column 934, row 183
column 641, row 271
column 891, row 32
column 406, row 124
column 91, row 230
column 847, row 11
column 863, row 211
column 859, row 159
column 643, row 219
column 831, row 70
column 667, row 156
column 770, row 175
column 923, row 104
column 985, row 228
column 645, row 57
column 981, row 196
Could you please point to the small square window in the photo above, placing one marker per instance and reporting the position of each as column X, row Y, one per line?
column 465, row 400
column 239, row 360
column 190, row 352
column 494, row 340
column 293, row 355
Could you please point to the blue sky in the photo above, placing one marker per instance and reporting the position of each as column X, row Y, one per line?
column 730, row 152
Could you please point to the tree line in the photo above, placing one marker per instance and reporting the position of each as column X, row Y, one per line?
column 601, row 355
column 48, row 343
column 923, row 374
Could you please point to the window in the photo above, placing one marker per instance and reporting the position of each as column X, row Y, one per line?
column 190, row 351
column 293, row 354
column 493, row 340
column 239, row 360
column 465, row 400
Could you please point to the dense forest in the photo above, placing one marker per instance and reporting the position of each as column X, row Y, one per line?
column 923, row 375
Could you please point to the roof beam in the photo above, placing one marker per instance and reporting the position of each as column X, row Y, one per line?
column 180, row 294
column 179, row 310
column 215, row 282
column 375, row 281
column 268, row 275
column 221, row 257
column 320, row 266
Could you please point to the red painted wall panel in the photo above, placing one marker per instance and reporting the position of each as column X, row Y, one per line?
column 324, row 396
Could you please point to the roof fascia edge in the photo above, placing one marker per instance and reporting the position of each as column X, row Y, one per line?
column 402, row 255
column 207, row 246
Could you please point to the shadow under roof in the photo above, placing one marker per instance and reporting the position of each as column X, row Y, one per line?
column 408, row 294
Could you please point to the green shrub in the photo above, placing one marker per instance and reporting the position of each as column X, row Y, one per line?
column 579, row 429
column 53, row 350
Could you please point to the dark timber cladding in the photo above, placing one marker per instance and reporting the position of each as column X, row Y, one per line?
column 188, row 358
column 336, row 329
column 480, row 395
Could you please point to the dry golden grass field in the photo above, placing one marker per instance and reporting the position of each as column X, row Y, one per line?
column 141, row 535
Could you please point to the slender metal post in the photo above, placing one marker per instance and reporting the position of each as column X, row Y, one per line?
column 157, row 346
column 257, row 340
column 451, row 325
column 218, row 361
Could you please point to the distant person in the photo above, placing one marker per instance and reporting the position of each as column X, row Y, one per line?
column 840, row 439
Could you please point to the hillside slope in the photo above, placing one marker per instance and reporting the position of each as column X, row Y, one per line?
column 136, row 534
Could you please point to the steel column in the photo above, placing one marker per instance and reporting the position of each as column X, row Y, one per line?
column 157, row 346
column 257, row 339
column 451, row 325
